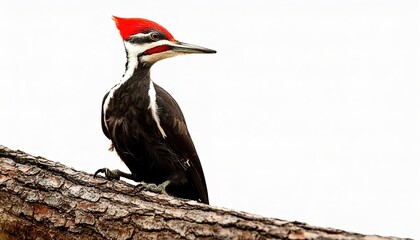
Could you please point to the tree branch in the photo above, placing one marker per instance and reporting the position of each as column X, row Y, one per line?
column 42, row 199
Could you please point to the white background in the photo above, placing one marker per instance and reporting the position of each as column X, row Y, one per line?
column 309, row 111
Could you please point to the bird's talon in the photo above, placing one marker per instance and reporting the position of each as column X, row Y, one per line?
column 140, row 186
column 109, row 174
column 151, row 187
column 101, row 170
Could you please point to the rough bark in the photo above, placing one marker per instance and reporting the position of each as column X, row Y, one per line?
column 42, row 199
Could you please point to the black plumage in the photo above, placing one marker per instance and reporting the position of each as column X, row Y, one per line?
column 152, row 158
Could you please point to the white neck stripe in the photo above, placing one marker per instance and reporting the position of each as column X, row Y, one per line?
column 132, row 62
column 133, row 50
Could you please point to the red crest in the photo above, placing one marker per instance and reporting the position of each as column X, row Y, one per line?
column 130, row 26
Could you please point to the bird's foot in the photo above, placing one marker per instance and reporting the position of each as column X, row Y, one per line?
column 113, row 174
column 151, row 187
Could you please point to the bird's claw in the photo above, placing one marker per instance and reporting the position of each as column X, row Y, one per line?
column 109, row 174
column 151, row 187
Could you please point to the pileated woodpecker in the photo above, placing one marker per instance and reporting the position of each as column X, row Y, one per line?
column 143, row 121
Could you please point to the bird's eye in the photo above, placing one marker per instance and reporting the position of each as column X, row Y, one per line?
column 154, row 36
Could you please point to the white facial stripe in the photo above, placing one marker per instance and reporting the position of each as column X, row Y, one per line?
column 136, row 49
column 139, row 48
column 141, row 35
column 154, row 108
column 159, row 56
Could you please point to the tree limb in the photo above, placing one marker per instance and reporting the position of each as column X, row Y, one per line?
column 42, row 199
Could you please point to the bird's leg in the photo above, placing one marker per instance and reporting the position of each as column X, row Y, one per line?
column 161, row 188
column 114, row 174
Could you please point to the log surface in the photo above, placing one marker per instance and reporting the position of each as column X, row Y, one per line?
column 42, row 199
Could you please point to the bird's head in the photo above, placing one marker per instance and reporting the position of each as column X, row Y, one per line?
column 150, row 42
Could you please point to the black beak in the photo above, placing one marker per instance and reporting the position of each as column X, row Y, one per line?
column 189, row 48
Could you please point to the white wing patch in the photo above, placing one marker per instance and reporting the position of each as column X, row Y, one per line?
column 154, row 108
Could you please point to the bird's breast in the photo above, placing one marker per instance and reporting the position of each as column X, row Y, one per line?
column 132, row 111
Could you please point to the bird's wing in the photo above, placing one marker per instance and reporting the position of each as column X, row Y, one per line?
column 104, row 129
column 173, row 123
